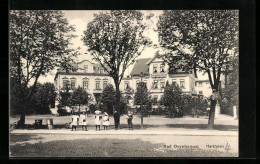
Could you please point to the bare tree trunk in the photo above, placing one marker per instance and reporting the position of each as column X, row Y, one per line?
column 212, row 114
column 142, row 115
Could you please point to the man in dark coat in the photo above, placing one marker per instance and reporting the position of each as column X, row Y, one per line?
column 116, row 118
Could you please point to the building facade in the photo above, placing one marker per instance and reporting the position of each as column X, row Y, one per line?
column 153, row 71
column 90, row 76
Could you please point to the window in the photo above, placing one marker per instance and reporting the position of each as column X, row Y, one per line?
column 73, row 83
column 101, row 70
column 174, row 81
column 162, row 84
column 86, row 68
column 200, row 84
column 126, row 85
column 162, row 67
column 155, row 68
column 104, row 84
column 96, row 69
column 182, row 83
column 98, row 85
column 201, row 92
column 66, row 83
column 85, row 84
column 155, row 84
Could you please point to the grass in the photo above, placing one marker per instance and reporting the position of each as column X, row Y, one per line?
column 106, row 148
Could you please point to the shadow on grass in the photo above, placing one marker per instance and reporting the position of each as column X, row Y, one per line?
column 23, row 137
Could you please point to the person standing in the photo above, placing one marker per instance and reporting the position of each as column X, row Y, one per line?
column 75, row 119
column 83, row 121
column 116, row 119
column 98, row 119
column 129, row 118
column 105, row 121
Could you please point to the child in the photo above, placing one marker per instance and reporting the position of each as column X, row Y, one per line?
column 105, row 121
column 98, row 119
column 75, row 119
column 129, row 118
column 82, row 121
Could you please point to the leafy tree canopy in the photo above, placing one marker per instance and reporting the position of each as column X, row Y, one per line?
column 141, row 94
column 39, row 41
column 204, row 38
column 172, row 95
column 79, row 97
column 108, row 98
column 115, row 39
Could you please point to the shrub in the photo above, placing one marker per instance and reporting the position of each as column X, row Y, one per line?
column 63, row 112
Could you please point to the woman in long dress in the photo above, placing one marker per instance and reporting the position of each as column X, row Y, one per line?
column 105, row 121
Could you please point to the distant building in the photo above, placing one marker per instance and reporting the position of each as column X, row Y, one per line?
column 90, row 76
column 155, row 73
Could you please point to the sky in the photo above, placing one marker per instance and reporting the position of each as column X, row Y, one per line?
column 80, row 18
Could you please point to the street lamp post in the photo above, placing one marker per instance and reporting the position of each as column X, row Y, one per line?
column 141, row 105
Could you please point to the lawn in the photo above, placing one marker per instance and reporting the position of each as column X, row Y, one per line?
column 105, row 147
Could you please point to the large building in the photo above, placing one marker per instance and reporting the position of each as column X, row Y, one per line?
column 90, row 76
column 153, row 71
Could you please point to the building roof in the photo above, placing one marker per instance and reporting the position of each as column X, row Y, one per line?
column 141, row 66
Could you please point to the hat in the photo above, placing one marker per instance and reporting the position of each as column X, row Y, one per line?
column 97, row 111
column 105, row 113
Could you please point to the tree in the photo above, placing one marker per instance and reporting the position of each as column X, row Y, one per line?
column 187, row 104
column 39, row 41
column 115, row 39
column 108, row 98
column 79, row 97
column 141, row 98
column 205, row 39
column 44, row 97
column 129, row 92
column 230, row 94
column 64, row 98
column 172, row 98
